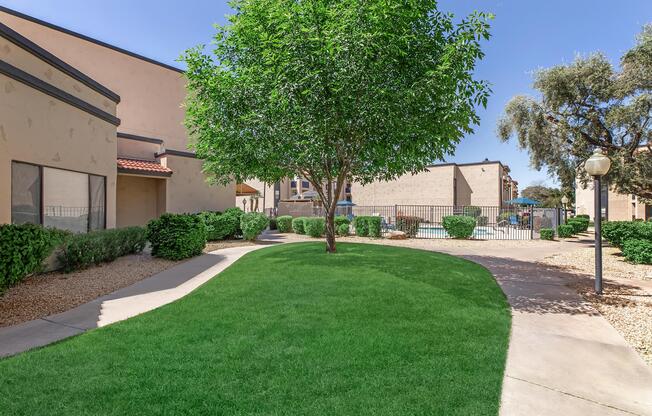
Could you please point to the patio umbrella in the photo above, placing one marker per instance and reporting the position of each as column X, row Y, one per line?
column 522, row 201
column 343, row 203
column 310, row 194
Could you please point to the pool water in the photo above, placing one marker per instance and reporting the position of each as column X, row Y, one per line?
column 440, row 232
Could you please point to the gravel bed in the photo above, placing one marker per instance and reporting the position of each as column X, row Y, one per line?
column 218, row 245
column 627, row 296
column 50, row 293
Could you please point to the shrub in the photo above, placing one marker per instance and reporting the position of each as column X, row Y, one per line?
column 580, row 224
column 565, row 231
column 84, row 250
column 617, row 232
column 237, row 213
column 638, row 251
column 361, row 226
column 177, row 236
column 341, row 219
column 342, row 229
column 219, row 226
column 583, row 216
column 23, row 249
column 547, row 234
column 272, row 224
column 314, row 227
column 472, row 211
column 409, row 225
column 374, row 226
column 297, row 225
column 252, row 224
column 284, row 223
column 459, row 226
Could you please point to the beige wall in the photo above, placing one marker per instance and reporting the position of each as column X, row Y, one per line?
column 621, row 207
column 137, row 150
column 39, row 129
column 188, row 191
column 485, row 183
column 138, row 199
column 432, row 187
column 463, row 189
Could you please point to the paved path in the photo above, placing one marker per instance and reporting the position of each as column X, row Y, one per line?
column 145, row 295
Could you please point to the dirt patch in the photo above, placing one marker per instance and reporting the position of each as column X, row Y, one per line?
column 50, row 293
column 218, row 245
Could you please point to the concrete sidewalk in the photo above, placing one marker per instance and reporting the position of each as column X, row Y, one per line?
column 145, row 295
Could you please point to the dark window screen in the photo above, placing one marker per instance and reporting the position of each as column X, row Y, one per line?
column 25, row 193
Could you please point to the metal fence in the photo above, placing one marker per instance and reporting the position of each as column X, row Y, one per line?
column 493, row 223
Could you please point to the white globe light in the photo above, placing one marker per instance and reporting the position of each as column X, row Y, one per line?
column 564, row 200
column 598, row 164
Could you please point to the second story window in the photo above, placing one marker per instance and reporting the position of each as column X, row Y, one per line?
column 293, row 184
column 305, row 184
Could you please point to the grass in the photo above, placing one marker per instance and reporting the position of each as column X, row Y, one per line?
column 289, row 330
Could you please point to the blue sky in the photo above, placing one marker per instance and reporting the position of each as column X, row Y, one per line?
column 526, row 35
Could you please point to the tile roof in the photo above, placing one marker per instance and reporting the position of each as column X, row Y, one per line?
column 143, row 167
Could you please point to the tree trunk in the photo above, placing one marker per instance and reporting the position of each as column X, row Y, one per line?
column 330, row 230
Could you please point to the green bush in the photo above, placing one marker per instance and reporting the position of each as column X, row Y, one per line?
column 361, row 226
column 297, row 225
column 409, row 225
column 638, row 251
column 472, row 211
column 220, row 226
column 272, row 224
column 580, row 224
column 84, row 250
column 583, row 216
column 23, row 248
column 374, row 226
column 547, row 234
column 314, row 227
column 284, row 223
column 177, row 236
column 459, row 226
column 617, row 232
column 341, row 219
column 237, row 213
column 252, row 224
column 565, row 231
column 342, row 229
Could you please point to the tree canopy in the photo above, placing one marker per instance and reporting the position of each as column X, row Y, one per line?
column 333, row 90
column 585, row 105
column 549, row 197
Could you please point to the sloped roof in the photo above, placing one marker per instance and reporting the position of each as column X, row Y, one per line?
column 143, row 167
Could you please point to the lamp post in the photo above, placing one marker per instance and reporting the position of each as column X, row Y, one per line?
column 564, row 203
column 597, row 166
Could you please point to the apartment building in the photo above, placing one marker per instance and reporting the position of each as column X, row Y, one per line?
column 91, row 135
column 615, row 206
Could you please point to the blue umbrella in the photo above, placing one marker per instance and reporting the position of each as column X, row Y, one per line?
column 523, row 201
column 344, row 203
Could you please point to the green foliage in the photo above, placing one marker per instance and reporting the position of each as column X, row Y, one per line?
column 284, row 223
column 565, row 231
column 81, row 251
column 236, row 213
column 617, row 232
column 580, row 225
column 459, row 226
column 341, row 219
column 583, row 216
column 589, row 104
column 298, row 225
column 638, row 251
column 374, row 226
column 343, row 230
column 177, row 236
column 482, row 220
column 363, row 224
column 547, row 234
column 408, row 224
column 220, row 226
column 472, row 211
column 334, row 91
column 548, row 197
column 23, row 248
column 315, row 227
column 252, row 224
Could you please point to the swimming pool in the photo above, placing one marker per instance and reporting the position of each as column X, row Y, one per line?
column 439, row 232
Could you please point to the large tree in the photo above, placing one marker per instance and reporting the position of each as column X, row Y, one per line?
column 549, row 197
column 333, row 90
column 585, row 105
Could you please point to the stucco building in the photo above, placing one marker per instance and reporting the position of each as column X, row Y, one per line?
column 615, row 206
column 91, row 135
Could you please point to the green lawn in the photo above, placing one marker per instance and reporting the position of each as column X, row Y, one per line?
column 289, row 330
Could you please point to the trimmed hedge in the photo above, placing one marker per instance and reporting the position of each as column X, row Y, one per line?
column 565, row 231
column 342, row 230
column 220, row 226
column 459, row 226
column 298, row 225
column 583, row 216
column 368, row 226
column 177, row 236
column 23, row 248
column 252, row 224
column 409, row 225
column 314, row 226
column 341, row 219
column 580, row 224
column 237, row 213
column 81, row 251
column 284, row 223
column 272, row 224
column 638, row 251
column 547, row 234
column 617, row 232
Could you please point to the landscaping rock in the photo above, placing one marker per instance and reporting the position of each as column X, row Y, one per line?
column 396, row 235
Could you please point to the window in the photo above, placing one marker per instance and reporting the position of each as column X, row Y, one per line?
column 305, row 184
column 58, row 198
column 25, row 193
column 293, row 184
